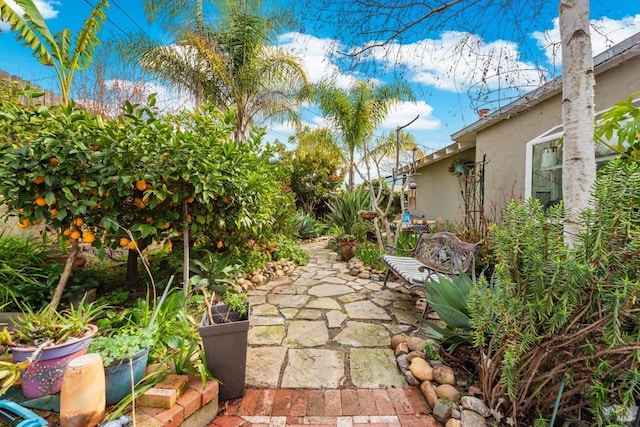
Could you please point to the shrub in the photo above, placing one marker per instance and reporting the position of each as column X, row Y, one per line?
column 565, row 317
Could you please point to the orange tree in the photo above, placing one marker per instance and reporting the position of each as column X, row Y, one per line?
column 136, row 179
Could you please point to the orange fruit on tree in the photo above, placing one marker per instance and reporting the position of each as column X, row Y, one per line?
column 190, row 199
column 149, row 187
column 124, row 241
column 75, row 235
column 219, row 244
column 54, row 162
column 39, row 179
column 78, row 222
column 24, row 223
column 40, row 201
column 67, row 232
column 53, row 212
column 88, row 237
column 169, row 245
column 138, row 202
column 132, row 245
column 189, row 218
column 141, row 185
column 166, row 225
column 149, row 220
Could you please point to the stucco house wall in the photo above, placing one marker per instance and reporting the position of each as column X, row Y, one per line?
column 505, row 142
column 502, row 137
column 436, row 184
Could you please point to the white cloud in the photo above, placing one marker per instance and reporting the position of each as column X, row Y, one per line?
column 457, row 61
column 404, row 112
column 605, row 33
column 317, row 57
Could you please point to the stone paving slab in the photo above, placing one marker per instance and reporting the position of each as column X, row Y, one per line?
column 321, row 328
column 314, row 368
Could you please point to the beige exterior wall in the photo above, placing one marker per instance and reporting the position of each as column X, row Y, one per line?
column 504, row 144
column 438, row 192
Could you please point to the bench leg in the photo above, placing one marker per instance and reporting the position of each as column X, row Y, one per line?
column 386, row 277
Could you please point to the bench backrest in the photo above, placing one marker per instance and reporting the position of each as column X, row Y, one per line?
column 445, row 253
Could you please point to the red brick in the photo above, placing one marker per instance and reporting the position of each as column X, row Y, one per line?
column 281, row 403
column 295, row 420
column 229, row 421
column 171, row 417
column 210, row 392
column 150, row 410
column 383, row 402
column 265, row 403
column 332, row 403
column 250, row 401
column 146, row 420
column 191, row 401
column 315, row 403
column 418, row 401
column 298, row 403
column 408, row 420
column 194, row 382
column 367, row 402
column 350, row 404
column 230, row 407
column 400, row 401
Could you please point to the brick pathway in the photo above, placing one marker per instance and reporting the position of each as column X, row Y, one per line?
column 395, row 407
column 319, row 353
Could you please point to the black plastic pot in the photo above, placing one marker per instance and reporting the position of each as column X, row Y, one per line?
column 225, row 347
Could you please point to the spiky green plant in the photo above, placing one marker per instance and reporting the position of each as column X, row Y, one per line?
column 565, row 318
column 343, row 215
column 449, row 297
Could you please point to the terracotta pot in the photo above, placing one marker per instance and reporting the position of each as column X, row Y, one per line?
column 82, row 398
column 348, row 249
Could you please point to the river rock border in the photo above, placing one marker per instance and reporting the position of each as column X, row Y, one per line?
column 438, row 385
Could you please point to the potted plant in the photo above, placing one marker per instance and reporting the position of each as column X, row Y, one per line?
column 459, row 166
column 125, row 350
column 223, row 330
column 122, row 352
column 58, row 337
column 225, row 323
column 348, row 246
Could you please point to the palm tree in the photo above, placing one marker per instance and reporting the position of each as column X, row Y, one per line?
column 230, row 66
column 357, row 112
column 56, row 50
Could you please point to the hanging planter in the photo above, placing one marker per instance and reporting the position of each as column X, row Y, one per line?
column 368, row 215
column 459, row 166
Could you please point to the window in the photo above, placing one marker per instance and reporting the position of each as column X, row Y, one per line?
column 543, row 178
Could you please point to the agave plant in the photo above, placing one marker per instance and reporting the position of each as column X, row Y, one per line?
column 305, row 225
column 449, row 297
column 344, row 215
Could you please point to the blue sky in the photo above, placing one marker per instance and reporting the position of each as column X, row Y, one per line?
column 451, row 79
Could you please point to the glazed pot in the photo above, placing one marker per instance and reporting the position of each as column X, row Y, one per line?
column 44, row 376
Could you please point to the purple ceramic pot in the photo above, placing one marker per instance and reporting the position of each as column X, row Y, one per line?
column 44, row 377
column 72, row 345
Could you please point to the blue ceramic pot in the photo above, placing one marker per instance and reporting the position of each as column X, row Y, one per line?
column 117, row 376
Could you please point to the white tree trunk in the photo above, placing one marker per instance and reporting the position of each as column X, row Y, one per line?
column 578, row 160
